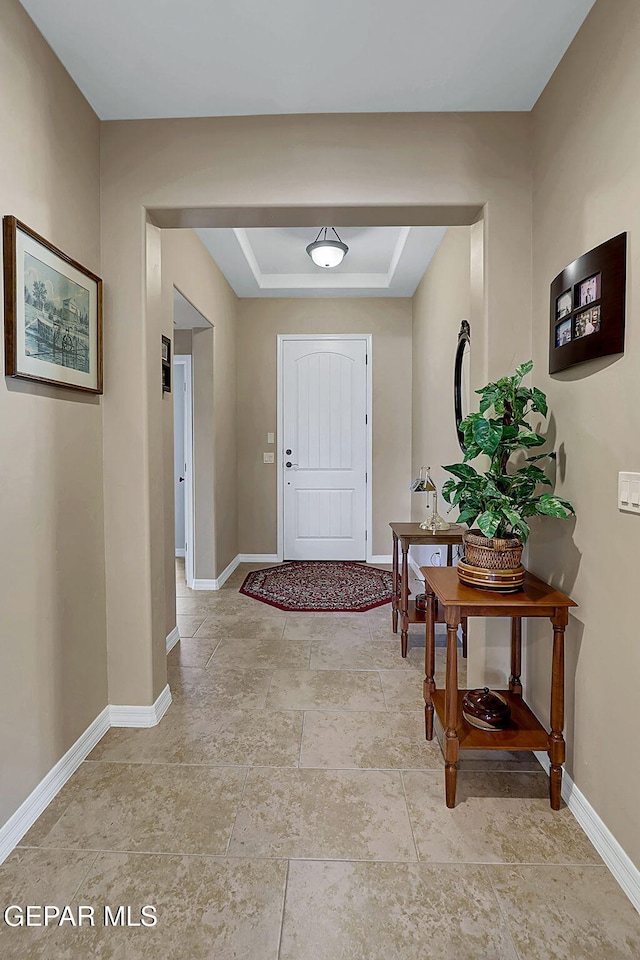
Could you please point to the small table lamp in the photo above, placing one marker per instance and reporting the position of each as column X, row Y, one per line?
column 424, row 484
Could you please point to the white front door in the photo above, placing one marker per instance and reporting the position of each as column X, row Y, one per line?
column 324, row 448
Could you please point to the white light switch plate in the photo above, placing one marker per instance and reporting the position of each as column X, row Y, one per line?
column 271, row 438
column 629, row 492
column 268, row 457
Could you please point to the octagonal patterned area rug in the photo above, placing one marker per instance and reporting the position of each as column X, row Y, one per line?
column 311, row 586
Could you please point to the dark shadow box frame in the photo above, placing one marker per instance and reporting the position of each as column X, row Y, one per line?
column 609, row 260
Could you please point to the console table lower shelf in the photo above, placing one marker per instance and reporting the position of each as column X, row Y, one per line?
column 525, row 732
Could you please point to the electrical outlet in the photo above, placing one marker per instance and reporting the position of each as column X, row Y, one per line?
column 271, row 438
column 268, row 457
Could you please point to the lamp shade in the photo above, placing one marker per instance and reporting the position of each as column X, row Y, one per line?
column 327, row 253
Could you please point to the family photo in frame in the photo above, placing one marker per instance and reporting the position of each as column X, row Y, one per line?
column 587, row 315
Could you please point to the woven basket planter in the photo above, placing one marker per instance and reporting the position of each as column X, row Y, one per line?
column 492, row 553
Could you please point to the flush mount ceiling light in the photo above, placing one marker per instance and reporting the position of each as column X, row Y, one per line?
column 327, row 253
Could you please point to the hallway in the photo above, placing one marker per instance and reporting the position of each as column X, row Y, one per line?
column 289, row 807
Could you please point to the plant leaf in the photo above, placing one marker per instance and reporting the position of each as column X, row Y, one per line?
column 541, row 456
column 539, row 401
column 487, row 434
column 534, row 473
column 467, row 516
column 524, row 369
column 527, row 438
column 489, row 522
column 554, row 506
column 462, row 470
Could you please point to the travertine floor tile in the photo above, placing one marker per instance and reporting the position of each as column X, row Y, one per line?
column 262, row 653
column 498, row 818
column 220, row 687
column 191, row 653
column 322, row 814
column 37, row 877
column 202, row 734
column 227, row 603
column 148, row 807
column 317, row 689
column 380, row 911
column 206, row 909
column 187, row 626
column 403, row 690
column 341, row 628
column 375, row 741
column 239, row 626
column 342, row 653
column 567, row 913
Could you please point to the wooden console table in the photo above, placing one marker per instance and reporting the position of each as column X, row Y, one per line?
column 453, row 600
column 408, row 534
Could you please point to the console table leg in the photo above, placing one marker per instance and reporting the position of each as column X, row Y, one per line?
column 451, row 742
column 395, row 595
column 429, row 663
column 404, row 622
column 556, row 739
column 515, row 684
column 464, row 637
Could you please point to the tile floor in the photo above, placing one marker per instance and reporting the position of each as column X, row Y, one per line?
column 289, row 807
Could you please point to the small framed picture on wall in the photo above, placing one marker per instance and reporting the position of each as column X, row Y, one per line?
column 587, row 310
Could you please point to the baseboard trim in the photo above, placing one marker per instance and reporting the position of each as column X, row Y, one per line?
column 619, row 863
column 204, row 585
column 382, row 558
column 38, row 800
column 221, row 580
column 133, row 716
column 113, row 715
column 258, row 557
column 226, row 573
column 172, row 639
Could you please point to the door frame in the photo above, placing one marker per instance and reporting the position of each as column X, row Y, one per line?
column 368, row 339
column 185, row 361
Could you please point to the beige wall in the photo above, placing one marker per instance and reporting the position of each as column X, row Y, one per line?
column 261, row 170
column 187, row 265
column 442, row 300
column 260, row 321
column 586, row 190
column 53, row 681
column 182, row 342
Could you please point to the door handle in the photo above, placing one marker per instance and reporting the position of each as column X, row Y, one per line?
column 288, row 464
column 181, row 480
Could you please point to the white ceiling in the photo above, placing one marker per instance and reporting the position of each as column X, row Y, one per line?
column 144, row 58
column 273, row 262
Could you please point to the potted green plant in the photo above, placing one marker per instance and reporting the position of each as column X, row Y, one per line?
column 500, row 500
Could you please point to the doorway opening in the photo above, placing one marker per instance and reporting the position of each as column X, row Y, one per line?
column 189, row 410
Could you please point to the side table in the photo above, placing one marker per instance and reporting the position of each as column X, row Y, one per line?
column 408, row 534
column 454, row 601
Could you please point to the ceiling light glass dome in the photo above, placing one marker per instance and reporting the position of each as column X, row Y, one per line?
column 327, row 253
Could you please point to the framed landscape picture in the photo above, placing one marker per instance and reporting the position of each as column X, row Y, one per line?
column 52, row 313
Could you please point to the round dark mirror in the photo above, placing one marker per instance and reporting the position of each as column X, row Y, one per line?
column 461, row 381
